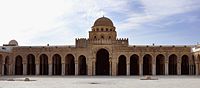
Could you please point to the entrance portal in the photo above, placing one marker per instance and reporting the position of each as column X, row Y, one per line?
column 102, row 62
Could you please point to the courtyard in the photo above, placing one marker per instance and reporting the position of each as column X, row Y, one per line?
column 100, row 82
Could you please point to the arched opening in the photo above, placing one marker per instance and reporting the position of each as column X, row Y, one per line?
column 69, row 65
column 6, row 66
column 102, row 62
column 185, row 65
column 193, row 72
column 160, row 64
column 134, row 65
column 147, row 65
column 122, row 65
column 18, row 65
column 44, row 68
column 56, row 68
column 30, row 64
column 172, row 67
column 82, row 65
column 1, row 64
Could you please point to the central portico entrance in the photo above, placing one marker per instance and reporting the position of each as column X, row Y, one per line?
column 102, row 62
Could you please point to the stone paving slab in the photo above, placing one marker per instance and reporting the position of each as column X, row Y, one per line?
column 100, row 82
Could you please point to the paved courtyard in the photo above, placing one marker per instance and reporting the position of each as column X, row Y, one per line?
column 100, row 82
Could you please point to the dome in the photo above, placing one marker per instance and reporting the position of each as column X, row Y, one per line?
column 103, row 21
column 13, row 42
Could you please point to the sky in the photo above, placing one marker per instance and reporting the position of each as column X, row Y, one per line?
column 59, row 22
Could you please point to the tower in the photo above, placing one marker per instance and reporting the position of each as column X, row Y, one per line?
column 103, row 29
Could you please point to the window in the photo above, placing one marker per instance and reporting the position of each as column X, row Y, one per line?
column 106, row 29
column 102, row 37
column 101, row 29
column 109, row 37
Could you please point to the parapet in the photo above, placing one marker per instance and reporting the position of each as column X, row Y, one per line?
column 81, row 42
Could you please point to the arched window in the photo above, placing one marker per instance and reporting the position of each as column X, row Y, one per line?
column 102, row 37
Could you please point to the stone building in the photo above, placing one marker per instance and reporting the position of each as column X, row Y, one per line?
column 101, row 54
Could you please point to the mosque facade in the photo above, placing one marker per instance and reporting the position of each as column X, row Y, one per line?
column 100, row 54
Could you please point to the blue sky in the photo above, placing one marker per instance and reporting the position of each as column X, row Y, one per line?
column 59, row 22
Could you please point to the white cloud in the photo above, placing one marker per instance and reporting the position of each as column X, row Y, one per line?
column 36, row 22
column 155, row 10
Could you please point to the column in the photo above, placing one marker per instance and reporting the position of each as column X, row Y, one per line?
column 94, row 68
column 50, row 69
column 37, row 69
column 153, row 69
column 2, row 70
column 76, row 68
column 197, row 68
column 89, row 67
column 24, row 69
column 166, row 68
column 179, row 68
column 128, row 69
column 114, row 66
column 13, row 69
column 141, row 69
column 63, row 69
column 110, row 68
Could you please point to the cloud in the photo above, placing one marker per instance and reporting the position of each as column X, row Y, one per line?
column 156, row 10
column 37, row 22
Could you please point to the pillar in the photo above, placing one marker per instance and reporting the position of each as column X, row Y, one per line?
column 128, row 69
column 110, row 68
column 197, row 69
column 24, row 69
column 141, row 69
column 63, row 69
column 114, row 66
column 50, row 69
column 94, row 68
column 166, row 68
column 76, row 68
column 37, row 66
column 153, row 69
column 89, row 67
column 2, row 69
column 179, row 68
column 13, row 69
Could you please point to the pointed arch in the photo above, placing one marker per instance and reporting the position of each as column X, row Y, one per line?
column 147, row 64
column 44, row 68
column 102, row 62
column 185, row 65
column 134, row 65
column 18, row 65
column 1, row 64
column 160, row 64
column 69, row 65
column 82, row 65
column 7, row 65
column 172, row 67
column 56, row 68
column 30, row 64
column 122, row 65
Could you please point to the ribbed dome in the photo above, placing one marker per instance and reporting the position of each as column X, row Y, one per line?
column 13, row 42
column 103, row 21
